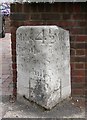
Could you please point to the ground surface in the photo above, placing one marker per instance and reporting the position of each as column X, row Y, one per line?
column 26, row 109
column 5, row 64
column 23, row 108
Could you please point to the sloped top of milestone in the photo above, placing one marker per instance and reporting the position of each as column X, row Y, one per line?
column 23, row 28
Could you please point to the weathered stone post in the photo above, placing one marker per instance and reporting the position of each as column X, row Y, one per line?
column 43, row 64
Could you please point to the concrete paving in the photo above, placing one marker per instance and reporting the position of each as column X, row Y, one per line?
column 23, row 108
column 5, row 64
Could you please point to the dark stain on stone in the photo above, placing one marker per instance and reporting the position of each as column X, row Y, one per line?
column 39, row 90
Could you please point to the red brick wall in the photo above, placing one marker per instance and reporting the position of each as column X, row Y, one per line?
column 70, row 16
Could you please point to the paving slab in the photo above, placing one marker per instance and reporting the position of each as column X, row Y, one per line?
column 5, row 65
column 23, row 108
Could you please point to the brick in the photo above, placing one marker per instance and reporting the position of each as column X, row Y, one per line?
column 80, row 59
column 86, row 84
column 13, row 52
column 21, row 23
column 80, row 52
column 77, row 8
column 41, row 7
column 78, row 92
column 72, row 52
column 13, row 37
column 34, row 7
column 55, row 7
column 72, row 66
column 67, row 16
column 86, row 71
column 79, row 16
column 26, row 8
column 33, row 23
column 35, row 16
column 79, row 65
column 72, row 45
column 82, row 23
column 14, row 74
column 83, row 8
column 19, row 7
column 81, row 38
column 78, row 73
column 69, row 8
column 86, row 46
column 67, row 23
column 59, row 7
column 15, row 79
column 78, row 79
column 78, row 85
column 86, row 59
column 47, row 7
column 52, row 22
column 51, row 16
column 86, row 53
column 72, row 59
column 14, row 59
column 86, row 78
column 80, row 45
column 13, row 30
column 76, row 31
column 14, row 66
column 27, row 23
column 18, row 16
column 13, row 45
column 16, row 23
column 72, row 39
column 86, row 65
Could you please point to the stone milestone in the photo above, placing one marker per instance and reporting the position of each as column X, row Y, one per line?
column 43, row 64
